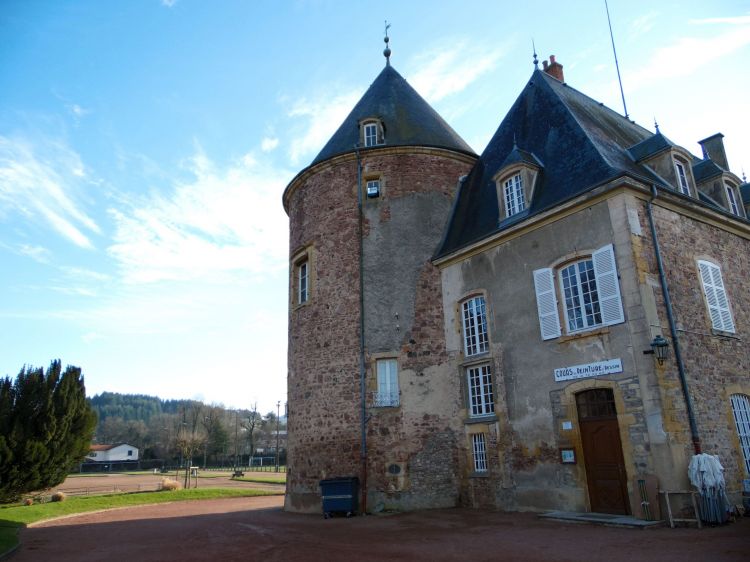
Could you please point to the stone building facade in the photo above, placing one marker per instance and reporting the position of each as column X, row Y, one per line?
column 480, row 331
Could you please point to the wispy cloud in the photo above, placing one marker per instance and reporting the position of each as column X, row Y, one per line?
column 223, row 222
column 40, row 181
column 37, row 253
column 687, row 55
column 642, row 25
column 445, row 70
column 269, row 143
column 322, row 114
column 169, row 3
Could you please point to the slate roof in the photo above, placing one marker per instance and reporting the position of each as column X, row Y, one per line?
column 408, row 120
column 745, row 193
column 652, row 145
column 581, row 143
column 704, row 169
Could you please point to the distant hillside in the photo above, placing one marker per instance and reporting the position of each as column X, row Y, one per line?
column 134, row 407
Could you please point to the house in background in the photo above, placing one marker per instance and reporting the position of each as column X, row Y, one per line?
column 120, row 456
column 491, row 330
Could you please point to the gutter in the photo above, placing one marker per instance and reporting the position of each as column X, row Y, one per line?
column 362, row 386
column 672, row 325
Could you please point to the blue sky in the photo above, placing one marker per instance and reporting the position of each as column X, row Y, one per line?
column 145, row 145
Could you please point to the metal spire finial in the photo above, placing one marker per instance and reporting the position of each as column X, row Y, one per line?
column 656, row 125
column 387, row 50
column 536, row 60
column 744, row 178
column 514, row 140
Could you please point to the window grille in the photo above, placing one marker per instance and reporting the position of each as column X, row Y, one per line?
column 480, row 452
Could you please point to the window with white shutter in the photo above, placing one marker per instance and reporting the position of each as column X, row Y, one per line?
column 590, row 292
column 741, row 413
column 716, row 296
column 388, row 393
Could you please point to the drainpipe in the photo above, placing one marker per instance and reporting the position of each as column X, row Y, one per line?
column 672, row 326
column 362, row 386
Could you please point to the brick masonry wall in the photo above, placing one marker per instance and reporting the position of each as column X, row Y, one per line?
column 716, row 364
column 401, row 229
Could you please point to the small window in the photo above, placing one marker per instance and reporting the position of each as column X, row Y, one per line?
column 716, row 297
column 741, row 413
column 371, row 134
column 514, row 196
column 92, row 454
column 732, row 200
column 303, row 281
column 481, row 399
column 475, row 326
column 590, row 293
column 479, row 446
column 682, row 181
column 388, row 393
column 130, row 452
column 372, row 189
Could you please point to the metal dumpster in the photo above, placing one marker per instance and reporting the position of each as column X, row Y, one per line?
column 339, row 495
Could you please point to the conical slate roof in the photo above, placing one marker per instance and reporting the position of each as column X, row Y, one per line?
column 408, row 120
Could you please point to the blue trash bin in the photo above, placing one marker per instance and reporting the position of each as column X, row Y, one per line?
column 339, row 495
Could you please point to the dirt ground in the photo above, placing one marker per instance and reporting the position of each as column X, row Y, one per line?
column 258, row 529
column 108, row 483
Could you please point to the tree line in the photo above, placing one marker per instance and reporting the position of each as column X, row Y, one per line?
column 176, row 431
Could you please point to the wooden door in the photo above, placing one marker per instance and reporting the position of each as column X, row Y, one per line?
column 602, row 452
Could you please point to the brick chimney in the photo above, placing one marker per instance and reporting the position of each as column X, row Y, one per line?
column 713, row 148
column 554, row 68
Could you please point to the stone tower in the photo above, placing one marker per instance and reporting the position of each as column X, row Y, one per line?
column 372, row 393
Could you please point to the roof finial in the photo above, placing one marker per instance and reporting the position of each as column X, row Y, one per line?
column 387, row 51
column 656, row 125
column 536, row 60
column 744, row 177
column 514, row 140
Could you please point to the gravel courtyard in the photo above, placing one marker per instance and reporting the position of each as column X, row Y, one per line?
column 258, row 529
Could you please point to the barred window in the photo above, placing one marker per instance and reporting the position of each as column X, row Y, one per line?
column 479, row 446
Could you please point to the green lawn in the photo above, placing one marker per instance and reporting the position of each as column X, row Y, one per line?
column 262, row 479
column 13, row 517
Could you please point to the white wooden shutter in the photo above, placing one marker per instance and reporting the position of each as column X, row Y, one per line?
column 716, row 296
column 607, row 285
column 546, row 302
column 388, row 380
column 741, row 412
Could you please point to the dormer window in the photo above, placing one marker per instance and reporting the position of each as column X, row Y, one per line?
column 514, row 195
column 682, row 181
column 734, row 207
column 372, row 133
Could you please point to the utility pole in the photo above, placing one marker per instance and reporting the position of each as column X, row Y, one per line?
column 236, row 437
column 278, row 406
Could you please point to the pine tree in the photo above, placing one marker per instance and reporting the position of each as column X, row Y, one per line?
column 46, row 426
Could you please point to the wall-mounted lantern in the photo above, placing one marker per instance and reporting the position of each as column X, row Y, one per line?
column 660, row 348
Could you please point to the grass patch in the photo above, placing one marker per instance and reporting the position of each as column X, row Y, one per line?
column 12, row 517
column 262, row 479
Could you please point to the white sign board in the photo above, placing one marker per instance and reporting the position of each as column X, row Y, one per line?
column 588, row 370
